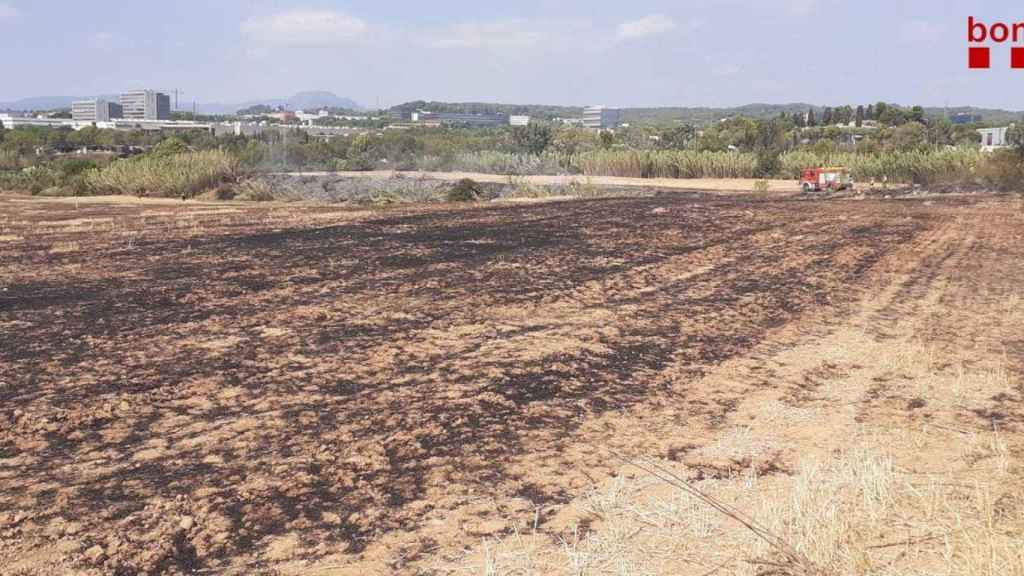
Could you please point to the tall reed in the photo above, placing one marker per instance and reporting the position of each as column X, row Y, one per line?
column 179, row 175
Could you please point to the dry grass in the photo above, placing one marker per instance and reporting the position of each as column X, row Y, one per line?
column 64, row 247
column 178, row 176
column 857, row 513
column 930, row 498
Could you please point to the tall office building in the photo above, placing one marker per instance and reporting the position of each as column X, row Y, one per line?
column 601, row 118
column 95, row 111
column 146, row 105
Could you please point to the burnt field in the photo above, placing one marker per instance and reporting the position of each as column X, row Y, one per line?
column 193, row 387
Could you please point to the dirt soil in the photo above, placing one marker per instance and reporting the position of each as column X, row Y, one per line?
column 744, row 185
column 243, row 389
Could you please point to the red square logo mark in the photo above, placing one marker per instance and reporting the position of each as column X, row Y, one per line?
column 978, row 57
column 1017, row 57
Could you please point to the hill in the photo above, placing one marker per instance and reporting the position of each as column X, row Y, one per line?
column 698, row 116
column 40, row 103
column 542, row 111
column 310, row 100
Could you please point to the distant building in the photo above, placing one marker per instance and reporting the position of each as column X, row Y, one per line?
column 309, row 117
column 146, row 105
column 992, row 138
column 459, row 118
column 95, row 111
column 283, row 116
column 237, row 129
column 400, row 115
column 601, row 118
column 16, row 120
column 576, row 122
column 518, row 120
column 965, row 118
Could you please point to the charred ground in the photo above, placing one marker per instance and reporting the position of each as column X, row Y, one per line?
column 190, row 386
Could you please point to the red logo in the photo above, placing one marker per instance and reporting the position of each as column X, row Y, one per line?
column 998, row 33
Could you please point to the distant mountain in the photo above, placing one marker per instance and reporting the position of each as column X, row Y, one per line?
column 44, row 103
column 542, row 111
column 301, row 101
column 307, row 101
column 39, row 103
column 311, row 100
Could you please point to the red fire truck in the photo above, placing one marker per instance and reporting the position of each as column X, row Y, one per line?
column 834, row 178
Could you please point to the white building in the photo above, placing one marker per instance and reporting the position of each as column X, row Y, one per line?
column 146, row 105
column 993, row 138
column 601, row 118
column 310, row 118
column 518, row 120
column 95, row 111
column 11, row 121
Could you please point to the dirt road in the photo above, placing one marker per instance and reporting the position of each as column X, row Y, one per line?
column 744, row 185
column 314, row 390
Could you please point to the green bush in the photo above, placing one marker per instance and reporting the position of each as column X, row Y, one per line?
column 76, row 166
column 169, row 147
column 767, row 164
column 465, row 190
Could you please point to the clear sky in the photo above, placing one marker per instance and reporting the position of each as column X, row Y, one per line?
column 613, row 52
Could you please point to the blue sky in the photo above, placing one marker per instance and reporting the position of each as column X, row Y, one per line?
column 639, row 53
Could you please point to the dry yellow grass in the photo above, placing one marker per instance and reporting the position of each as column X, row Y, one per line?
column 856, row 513
column 64, row 247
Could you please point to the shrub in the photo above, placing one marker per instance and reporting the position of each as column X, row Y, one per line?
column 465, row 190
column 38, row 178
column 254, row 191
column 1004, row 171
column 522, row 188
column 586, row 189
column 179, row 175
column 532, row 139
column 53, row 192
column 11, row 160
column 76, row 166
column 253, row 154
column 169, row 147
column 767, row 163
column 761, row 186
